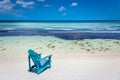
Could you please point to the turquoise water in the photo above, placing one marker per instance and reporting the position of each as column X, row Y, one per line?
column 79, row 26
column 64, row 30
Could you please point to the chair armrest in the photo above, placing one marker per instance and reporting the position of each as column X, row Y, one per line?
column 39, row 55
column 44, row 60
column 46, row 57
column 49, row 56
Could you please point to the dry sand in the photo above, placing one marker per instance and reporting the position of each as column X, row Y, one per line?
column 72, row 60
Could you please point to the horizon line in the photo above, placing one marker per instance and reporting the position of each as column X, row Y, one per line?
column 59, row 20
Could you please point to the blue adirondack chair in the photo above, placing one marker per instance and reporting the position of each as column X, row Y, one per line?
column 39, row 64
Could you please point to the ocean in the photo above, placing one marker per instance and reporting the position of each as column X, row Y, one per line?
column 69, row 30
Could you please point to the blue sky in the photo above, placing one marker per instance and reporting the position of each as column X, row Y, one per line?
column 59, row 9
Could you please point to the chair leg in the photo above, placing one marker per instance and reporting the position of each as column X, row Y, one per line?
column 50, row 65
column 39, row 71
column 29, row 64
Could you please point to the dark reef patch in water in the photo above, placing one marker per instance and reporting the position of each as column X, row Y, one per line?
column 68, row 35
column 81, row 35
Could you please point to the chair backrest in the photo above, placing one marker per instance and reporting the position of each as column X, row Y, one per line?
column 34, row 56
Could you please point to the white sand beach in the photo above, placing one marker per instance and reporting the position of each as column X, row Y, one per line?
column 89, row 59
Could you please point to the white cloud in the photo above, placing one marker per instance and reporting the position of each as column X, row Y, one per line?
column 74, row 4
column 47, row 5
column 64, row 14
column 62, row 8
column 24, row 4
column 41, row 0
column 6, row 5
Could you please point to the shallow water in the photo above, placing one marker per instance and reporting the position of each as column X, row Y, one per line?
column 64, row 30
column 79, row 26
